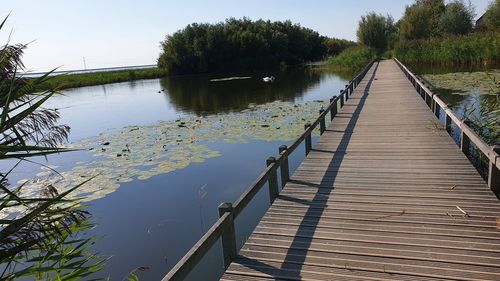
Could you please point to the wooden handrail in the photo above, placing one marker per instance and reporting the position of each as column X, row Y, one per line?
column 467, row 134
column 224, row 226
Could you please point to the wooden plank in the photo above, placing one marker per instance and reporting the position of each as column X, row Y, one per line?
column 384, row 194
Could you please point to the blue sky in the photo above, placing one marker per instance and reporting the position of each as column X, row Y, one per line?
column 118, row 33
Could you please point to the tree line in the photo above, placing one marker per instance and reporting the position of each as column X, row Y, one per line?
column 426, row 19
column 243, row 44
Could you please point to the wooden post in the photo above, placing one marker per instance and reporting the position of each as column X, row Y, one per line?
column 341, row 98
column 273, row 181
column 334, row 109
column 351, row 85
column 436, row 109
column 228, row 236
column 285, row 172
column 464, row 142
column 447, row 122
column 308, row 142
column 322, row 125
column 346, row 92
column 494, row 172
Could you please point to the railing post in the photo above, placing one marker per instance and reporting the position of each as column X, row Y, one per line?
column 351, row 86
column 346, row 91
column 464, row 141
column 447, row 122
column 341, row 98
column 273, row 181
column 228, row 237
column 322, row 125
column 308, row 142
column 494, row 172
column 285, row 172
column 333, row 110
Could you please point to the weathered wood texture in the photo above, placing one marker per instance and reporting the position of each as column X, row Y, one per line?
column 384, row 194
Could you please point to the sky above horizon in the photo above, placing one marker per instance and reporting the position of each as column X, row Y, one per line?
column 122, row 33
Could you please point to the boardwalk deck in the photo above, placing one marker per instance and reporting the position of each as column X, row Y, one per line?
column 384, row 194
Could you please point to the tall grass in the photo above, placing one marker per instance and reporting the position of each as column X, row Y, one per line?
column 470, row 49
column 98, row 78
column 352, row 58
column 40, row 231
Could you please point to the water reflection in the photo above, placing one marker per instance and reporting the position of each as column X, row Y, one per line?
column 196, row 94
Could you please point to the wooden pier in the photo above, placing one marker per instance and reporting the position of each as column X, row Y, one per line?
column 385, row 194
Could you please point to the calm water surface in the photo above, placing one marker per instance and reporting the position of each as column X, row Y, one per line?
column 152, row 223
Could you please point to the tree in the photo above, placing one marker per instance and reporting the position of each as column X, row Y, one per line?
column 421, row 20
column 374, row 30
column 239, row 44
column 492, row 16
column 457, row 18
column 335, row 46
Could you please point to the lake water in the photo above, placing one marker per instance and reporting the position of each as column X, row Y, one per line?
column 169, row 151
column 151, row 215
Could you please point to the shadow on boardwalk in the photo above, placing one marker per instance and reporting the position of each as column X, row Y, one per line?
column 297, row 251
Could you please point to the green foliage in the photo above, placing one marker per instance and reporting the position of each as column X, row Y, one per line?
column 239, row 44
column 39, row 234
column 492, row 16
column 335, row 46
column 353, row 58
column 457, row 18
column 421, row 20
column 470, row 49
column 98, row 78
column 375, row 31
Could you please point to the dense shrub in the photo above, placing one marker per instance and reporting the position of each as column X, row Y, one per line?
column 239, row 44
column 335, row 46
column 457, row 18
column 354, row 58
column 375, row 31
column 471, row 49
column 421, row 20
column 492, row 16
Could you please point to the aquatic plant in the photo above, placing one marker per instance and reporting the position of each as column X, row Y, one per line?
column 485, row 117
column 463, row 82
column 140, row 152
column 483, row 113
column 39, row 235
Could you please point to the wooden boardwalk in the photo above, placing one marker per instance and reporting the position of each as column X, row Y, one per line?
column 384, row 194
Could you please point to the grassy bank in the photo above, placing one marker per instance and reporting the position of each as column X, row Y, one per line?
column 352, row 58
column 98, row 78
column 471, row 49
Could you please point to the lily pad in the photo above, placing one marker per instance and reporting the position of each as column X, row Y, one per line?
column 147, row 151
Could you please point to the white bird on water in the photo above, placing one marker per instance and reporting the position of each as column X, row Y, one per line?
column 268, row 79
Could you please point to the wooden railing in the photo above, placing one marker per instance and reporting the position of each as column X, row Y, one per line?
column 467, row 135
column 224, row 226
